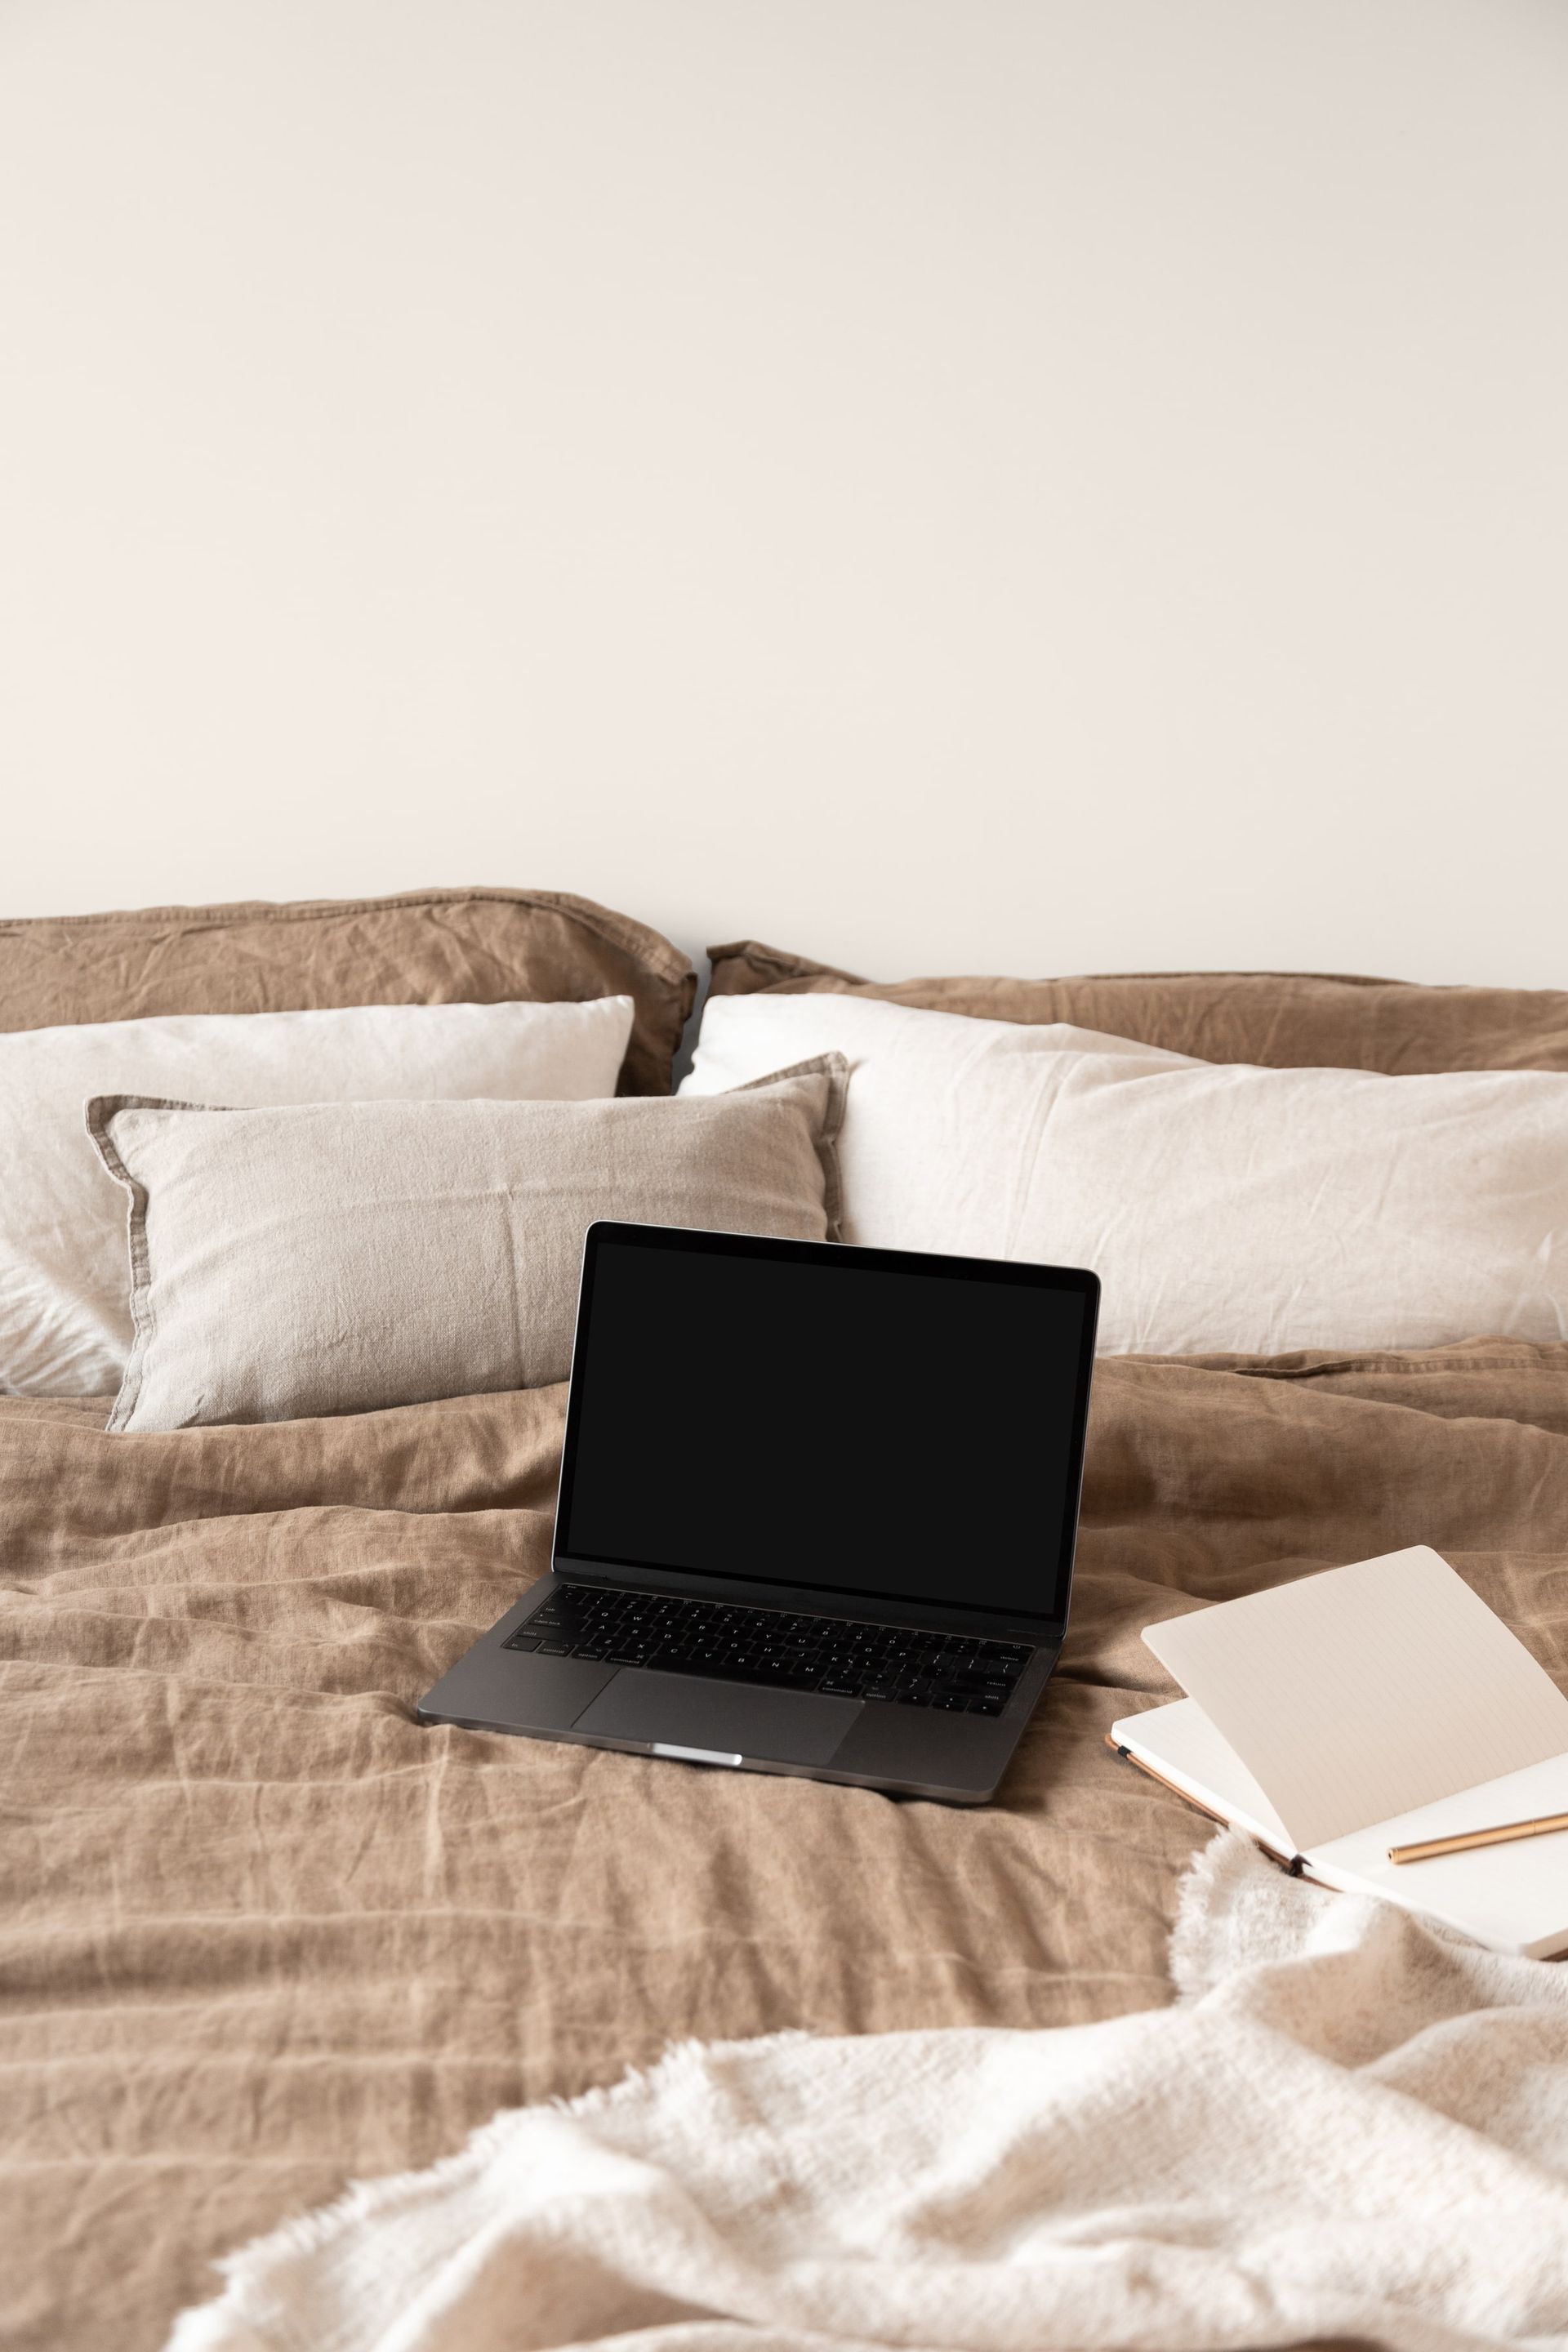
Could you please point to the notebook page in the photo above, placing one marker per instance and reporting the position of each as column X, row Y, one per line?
column 1366, row 1691
column 1181, row 1744
column 1513, row 1897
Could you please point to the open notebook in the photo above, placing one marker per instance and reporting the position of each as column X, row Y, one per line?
column 1371, row 1706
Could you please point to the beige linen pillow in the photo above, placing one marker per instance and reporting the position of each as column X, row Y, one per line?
column 339, row 1257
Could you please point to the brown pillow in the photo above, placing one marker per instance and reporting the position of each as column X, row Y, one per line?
column 423, row 946
column 1282, row 1020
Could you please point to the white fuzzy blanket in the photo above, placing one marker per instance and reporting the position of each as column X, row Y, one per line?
column 1348, row 2127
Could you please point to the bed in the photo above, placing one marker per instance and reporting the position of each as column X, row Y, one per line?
column 263, row 1934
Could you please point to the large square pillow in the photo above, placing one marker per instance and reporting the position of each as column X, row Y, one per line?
column 1282, row 1020
column 65, row 1320
column 421, row 947
column 1227, row 1208
column 343, row 1256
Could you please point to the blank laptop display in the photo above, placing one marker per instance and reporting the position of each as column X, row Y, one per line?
column 906, row 1435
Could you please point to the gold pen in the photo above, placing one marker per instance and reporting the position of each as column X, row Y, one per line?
column 1501, row 1835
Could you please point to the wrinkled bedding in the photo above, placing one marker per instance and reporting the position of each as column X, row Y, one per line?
column 261, row 1933
column 1351, row 2127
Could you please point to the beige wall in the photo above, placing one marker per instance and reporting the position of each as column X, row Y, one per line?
column 938, row 483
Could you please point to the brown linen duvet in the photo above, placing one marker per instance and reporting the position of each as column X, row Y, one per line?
column 263, row 1934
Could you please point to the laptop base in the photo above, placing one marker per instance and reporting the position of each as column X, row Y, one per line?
column 860, row 1743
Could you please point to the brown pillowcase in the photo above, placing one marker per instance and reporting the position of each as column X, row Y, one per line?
column 1280, row 1020
column 423, row 946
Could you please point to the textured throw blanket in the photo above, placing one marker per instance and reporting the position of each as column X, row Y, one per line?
column 1349, row 2127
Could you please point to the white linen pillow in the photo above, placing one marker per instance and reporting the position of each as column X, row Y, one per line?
column 64, row 1316
column 1227, row 1208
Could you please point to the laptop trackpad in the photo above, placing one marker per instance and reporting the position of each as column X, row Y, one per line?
column 727, row 1719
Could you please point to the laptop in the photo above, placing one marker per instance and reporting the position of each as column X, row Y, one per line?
column 816, row 1514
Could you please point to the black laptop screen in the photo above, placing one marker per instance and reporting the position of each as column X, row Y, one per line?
column 898, row 1428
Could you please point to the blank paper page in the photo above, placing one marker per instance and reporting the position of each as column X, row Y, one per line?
column 1181, row 1744
column 1514, row 1897
column 1366, row 1691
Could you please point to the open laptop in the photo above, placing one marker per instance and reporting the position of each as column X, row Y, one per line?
column 816, row 1515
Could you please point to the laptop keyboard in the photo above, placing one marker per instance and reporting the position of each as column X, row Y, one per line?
column 956, row 1671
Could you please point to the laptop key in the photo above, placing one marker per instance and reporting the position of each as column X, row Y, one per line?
column 522, row 1642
